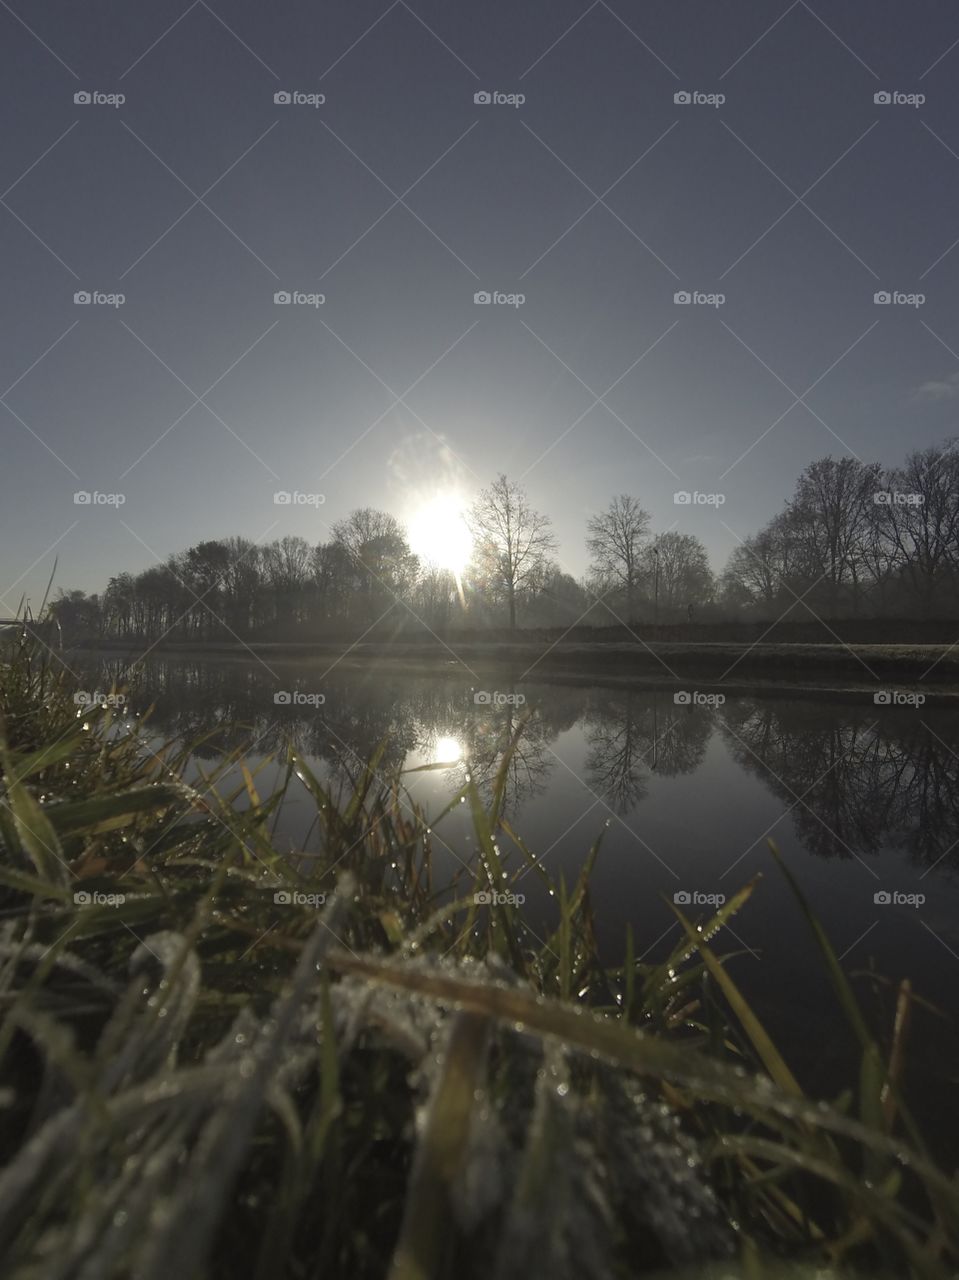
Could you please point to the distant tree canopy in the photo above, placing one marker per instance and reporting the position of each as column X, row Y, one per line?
column 854, row 539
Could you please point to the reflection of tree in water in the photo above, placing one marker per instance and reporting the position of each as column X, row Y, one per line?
column 489, row 734
column 222, row 706
column 631, row 734
column 215, row 708
column 231, row 705
column 486, row 730
column 869, row 778
column 361, row 716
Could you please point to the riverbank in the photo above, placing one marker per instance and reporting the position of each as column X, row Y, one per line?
column 826, row 671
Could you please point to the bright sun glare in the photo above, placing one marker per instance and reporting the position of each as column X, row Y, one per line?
column 438, row 533
column 447, row 751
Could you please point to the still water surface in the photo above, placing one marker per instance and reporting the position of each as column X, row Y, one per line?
column 862, row 800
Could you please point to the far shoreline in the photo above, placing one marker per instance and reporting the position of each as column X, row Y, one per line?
column 827, row 671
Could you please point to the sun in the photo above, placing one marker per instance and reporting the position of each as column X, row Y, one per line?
column 447, row 751
column 439, row 534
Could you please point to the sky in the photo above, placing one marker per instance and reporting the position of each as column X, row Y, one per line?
column 775, row 191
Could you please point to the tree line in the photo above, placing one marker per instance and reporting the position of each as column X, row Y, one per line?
column 854, row 540
column 857, row 539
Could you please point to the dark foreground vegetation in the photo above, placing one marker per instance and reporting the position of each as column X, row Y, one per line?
column 217, row 1061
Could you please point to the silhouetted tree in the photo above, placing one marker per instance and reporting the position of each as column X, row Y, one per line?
column 513, row 542
column 683, row 571
column 615, row 542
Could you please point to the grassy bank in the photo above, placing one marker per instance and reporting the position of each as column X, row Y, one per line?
column 216, row 1061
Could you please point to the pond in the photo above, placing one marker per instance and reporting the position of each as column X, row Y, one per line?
column 685, row 792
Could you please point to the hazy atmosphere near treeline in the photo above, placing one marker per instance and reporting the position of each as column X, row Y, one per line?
column 479, row 639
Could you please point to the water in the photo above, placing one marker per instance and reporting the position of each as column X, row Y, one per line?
column 862, row 800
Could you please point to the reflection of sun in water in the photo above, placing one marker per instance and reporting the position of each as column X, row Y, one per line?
column 438, row 533
column 447, row 751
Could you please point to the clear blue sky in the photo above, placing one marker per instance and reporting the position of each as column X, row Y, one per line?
column 598, row 198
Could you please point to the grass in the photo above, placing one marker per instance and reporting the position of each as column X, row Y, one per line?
column 399, row 1082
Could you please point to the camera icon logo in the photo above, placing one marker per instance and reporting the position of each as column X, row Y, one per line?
column 683, row 98
column 81, row 698
column 682, row 898
column 483, row 98
column 682, row 298
column 683, row 698
column 82, row 898
column 682, row 498
column 482, row 697
column 882, row 698
column 283, row 498
column 282, row 298
column 283, row 897
column 482, row 298
column 483, row 898
column 882, row 898
column 282, row 98
column 82, row 298
column 82, row 98
column 883, row 298
column 82, row 498
column 882, row 98
column 283, row 698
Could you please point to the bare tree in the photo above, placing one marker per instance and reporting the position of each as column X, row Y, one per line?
column 288, row 569
column 615, row 541
column 761, row 569
column 513, row 541
column 678, row 562
column 827, row 548
column 832, row 516
column 919, row 522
